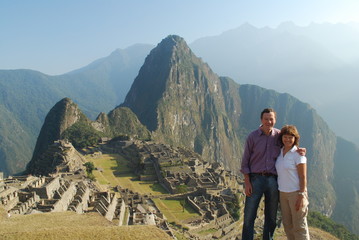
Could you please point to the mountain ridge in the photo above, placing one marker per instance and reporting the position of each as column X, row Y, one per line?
column 26, row 96
column 306, row 62
column 65, row 124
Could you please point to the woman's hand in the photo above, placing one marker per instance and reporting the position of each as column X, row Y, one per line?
column 299, row 203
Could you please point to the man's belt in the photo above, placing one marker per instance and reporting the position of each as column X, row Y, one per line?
column 266, row 174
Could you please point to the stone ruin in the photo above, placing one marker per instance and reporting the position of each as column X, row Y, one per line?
column 177, row 166
column 142, row 210
column 31, row 194
column 208, row 188
column 28, row 194
column 60, row 157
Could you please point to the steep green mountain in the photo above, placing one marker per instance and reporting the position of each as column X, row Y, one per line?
column 121, row 122
column 180, row 100
column 184, row 103
column 346, row 185
column 65, row 121
column 14, row 142
column 61, row 117
column 26, row 97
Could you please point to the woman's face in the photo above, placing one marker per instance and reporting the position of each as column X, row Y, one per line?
column 288, row 140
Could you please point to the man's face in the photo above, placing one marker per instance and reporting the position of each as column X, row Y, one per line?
column 268, row 121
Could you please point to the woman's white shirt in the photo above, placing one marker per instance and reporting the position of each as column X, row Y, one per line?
column 288, row 179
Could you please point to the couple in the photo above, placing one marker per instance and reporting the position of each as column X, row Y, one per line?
column 269, row 154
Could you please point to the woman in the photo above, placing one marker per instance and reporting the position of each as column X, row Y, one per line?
column 292, row 184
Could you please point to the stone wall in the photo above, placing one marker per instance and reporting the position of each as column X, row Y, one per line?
column 106, row 205
column 26, row 202
column 9, row 197
column 195, row 206
column 111, row 208
column 66, row 198
column 82, row 197
column 121, row 208
column 48, row 190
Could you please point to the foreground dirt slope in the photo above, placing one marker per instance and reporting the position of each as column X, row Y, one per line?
column 69, row 225
column 315, row 234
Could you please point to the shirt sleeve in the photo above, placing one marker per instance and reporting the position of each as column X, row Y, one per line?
column 300, row 159
column 246, row 156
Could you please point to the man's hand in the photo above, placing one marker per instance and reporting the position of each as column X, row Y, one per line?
column 247, row 185
column 248, row 189
column 302, row 151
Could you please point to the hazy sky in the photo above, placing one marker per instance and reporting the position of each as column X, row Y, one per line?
column 57, row 36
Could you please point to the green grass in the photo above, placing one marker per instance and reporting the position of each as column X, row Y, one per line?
column 207, row 231
column 156, row 187
column 173, row 210
column 115, row 171
column 180, row 236
column 105, row 165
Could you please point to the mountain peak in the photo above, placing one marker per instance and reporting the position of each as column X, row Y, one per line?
column 180, row 100
column 65, row 101
column 287, row 24
column 152, row 80
column 247, row 25
column 64, row 114
column 172, row 40
column 171, row 44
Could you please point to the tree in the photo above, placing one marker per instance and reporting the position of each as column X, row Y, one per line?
column 89, row 167
column 182, row 189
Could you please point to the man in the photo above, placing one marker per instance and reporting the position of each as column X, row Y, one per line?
column 260, row 177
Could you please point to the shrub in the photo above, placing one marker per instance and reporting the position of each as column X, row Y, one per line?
column 316, row 219
column 82, row 135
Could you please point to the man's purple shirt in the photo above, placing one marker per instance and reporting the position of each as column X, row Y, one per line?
column 261, row 152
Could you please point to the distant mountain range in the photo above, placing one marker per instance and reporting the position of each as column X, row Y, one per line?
column 318, row 64
column 182, row 102
column 26, row 97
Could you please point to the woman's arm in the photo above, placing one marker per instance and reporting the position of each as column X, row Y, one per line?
column 302, row 173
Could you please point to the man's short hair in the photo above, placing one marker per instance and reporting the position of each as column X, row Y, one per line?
column 268, row 110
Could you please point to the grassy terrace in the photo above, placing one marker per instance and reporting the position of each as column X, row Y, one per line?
column 173, row 210
column 113, row 170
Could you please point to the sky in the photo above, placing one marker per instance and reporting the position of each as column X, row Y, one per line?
column 58, row 36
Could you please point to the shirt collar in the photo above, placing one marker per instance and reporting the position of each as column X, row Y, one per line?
column 294, row 149
column 260, row 132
